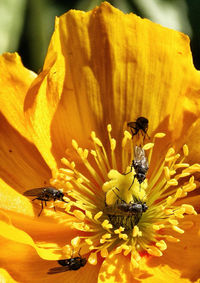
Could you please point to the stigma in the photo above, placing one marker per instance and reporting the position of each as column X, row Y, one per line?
column 118, row 210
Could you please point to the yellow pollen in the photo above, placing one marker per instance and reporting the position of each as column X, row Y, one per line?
column 185, row 150
column 154, row 251
column 106, row 236
column 79, row 214
column 158, row 227
column 123, row 236
column 159, row 135
column 104, row 252
column 118, row 231
column 177, row 229
column 170, row 152
column 127, row 251
column 89, row 242
column 167, row 173
column 136, row 232
column 189, row 209
column 171, row 239
column 93, row 258
column 75, row 242
column 98, row 215
column 161, row 245
column 106, row 225
column 148, row 146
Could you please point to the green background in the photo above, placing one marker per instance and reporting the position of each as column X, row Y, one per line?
column 26, row 25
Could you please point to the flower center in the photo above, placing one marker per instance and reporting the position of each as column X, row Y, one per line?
column 115, row 211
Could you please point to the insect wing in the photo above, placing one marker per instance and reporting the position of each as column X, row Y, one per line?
column 58, row 269
column 64, row 262
column 139, row 153
column 112, row 210
column 34, row 192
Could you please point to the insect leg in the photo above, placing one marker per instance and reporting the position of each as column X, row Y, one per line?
column 148, row 136
column 129, row 171
column 34, row 199
column 64, row 200
column 41, row 208
column 79, row 252
column 118, row 196
column 133, row 134
column 132, row 182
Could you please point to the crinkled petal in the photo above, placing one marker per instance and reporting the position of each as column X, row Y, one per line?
column 11, row 200
column 54, row 228
column 15, row 80
column 11, row 233
column 86, row 274
column 22, row 166
column 24, row 265
column 191, row 138
column 22, row 262
column 106, row 67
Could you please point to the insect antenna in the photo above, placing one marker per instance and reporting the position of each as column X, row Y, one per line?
column 133, row 183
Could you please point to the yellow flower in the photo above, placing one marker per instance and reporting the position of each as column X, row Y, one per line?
column 67, row 128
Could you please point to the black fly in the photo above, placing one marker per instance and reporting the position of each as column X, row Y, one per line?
column 140, row 164
column 73, row 263
column 140, row 124
column 45, row 194
column 126, row 214
column 133, row 207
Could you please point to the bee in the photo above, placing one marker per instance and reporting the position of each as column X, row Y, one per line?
column 140, row 124
column 73, row 263
column 126, row 214
column 45, row 194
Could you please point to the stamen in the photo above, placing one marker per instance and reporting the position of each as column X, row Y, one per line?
column 112, row 147
column 113, row 212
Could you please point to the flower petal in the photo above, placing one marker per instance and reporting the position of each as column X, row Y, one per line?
column 56, row 229
column 191, row 138
column 14, row 201
column 116, row 268
column 24, row 265
column 179, row 261
column 11, row 233
column 106, row 67
column 86, row 274
column 22, row 262
column 15, row 80
column 22, row 166
column 5, row 276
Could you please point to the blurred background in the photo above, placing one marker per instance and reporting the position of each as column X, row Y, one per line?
column 27, row 25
